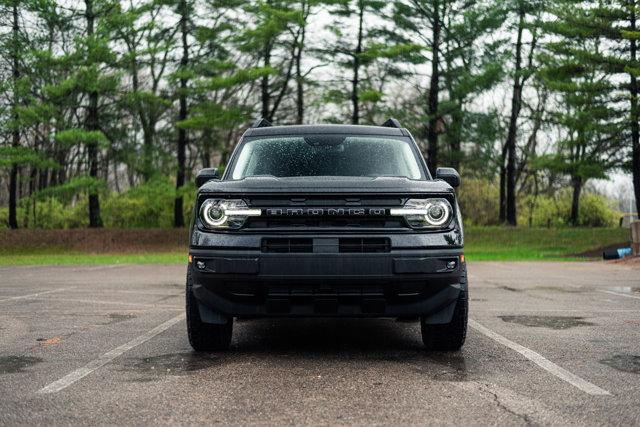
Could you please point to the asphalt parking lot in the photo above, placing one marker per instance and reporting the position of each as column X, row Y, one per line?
column 549, row 343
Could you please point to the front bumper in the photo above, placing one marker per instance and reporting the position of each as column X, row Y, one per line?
column 399, row 283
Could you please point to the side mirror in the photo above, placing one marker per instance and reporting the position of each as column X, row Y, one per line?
column 206, row 174
column 448, row 175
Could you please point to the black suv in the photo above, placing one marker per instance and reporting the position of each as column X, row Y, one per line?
column 326, row 220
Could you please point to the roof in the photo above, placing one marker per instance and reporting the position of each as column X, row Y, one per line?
column 325, row 128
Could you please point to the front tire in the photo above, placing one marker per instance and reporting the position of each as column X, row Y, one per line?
column 449, row 336
column 205, row 336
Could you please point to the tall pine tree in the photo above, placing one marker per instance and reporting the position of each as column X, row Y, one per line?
column 603, row 37
column 588, row 114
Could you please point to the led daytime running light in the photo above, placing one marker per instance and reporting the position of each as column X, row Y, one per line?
column 226, row 213
column 425, row 213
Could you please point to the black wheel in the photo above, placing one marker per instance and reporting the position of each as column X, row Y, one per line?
column 205, row 336
column 449, row 336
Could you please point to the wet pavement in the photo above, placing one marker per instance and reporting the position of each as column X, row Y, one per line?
column 550, row 344
column 551, row 322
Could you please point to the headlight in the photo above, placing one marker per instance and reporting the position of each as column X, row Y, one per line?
column 426, row 213
column 220, row 213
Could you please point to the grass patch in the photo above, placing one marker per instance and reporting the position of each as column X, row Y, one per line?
column 75, row 247
column 539, row 244
column 78, row 258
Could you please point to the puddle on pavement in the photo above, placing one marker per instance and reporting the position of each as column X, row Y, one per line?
column 17, row 364
column 568, row 290
column 624, row 363
column 571, row 290
column 509, row 288
column 627, row 289
column 551, row 322
column 46, row 342
column 119, row 317
column 169, row 364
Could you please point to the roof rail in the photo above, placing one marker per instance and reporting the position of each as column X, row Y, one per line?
column 261, row 123
column 391, row 123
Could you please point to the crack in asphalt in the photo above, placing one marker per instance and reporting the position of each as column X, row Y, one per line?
column 523, row 416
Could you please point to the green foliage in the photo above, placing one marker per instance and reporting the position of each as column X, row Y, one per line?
column 148, row 205
column 239, row 77
column 371, row 95
column 409, row 52
column 75, row 186
column 587, row 112
column 4, row 218
column 478, row 200
column 51, row 213
column 597, row 211
column 96, row 100
column 592, row 60
column 24, row 156
column 70, row 137
column 151, row 205
column 546, row 211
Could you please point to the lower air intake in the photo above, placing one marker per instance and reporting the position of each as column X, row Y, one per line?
column 364, row 245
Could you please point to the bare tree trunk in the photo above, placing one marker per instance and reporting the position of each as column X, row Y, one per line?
column 635, row 116
column 300, row 78
column 147, row 126
column 13, row 199
column 432, row 131
column 206, row 148
column 456, row 138
column 503, row 179
column 285, row 84
column 95, row 220
column 355, row 97
column 15, row 133
column 512, row 134
column 147, row 152
column 178, row 215
column 576, row 184
column 264, row 84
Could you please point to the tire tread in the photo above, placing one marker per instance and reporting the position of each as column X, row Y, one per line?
column 450, row 336
column 204, row 336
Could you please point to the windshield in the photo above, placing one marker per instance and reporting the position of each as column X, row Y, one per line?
column 327, row 155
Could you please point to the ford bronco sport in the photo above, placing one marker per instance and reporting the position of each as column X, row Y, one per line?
column 326, row 220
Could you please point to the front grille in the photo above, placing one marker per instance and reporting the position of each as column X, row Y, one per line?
column 325, row 212
column 287, row 245
column 328, row 223
column 364, row 245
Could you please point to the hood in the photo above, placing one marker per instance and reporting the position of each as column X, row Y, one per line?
column 326, row 184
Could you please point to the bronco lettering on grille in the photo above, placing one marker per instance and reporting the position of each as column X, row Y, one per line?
column 325, row 211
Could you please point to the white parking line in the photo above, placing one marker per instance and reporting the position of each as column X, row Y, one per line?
column 33, row 295
column 78, row 374
column 541, row 361
column 619, row 294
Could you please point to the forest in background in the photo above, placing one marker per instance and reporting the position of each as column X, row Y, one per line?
column 109, row 107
